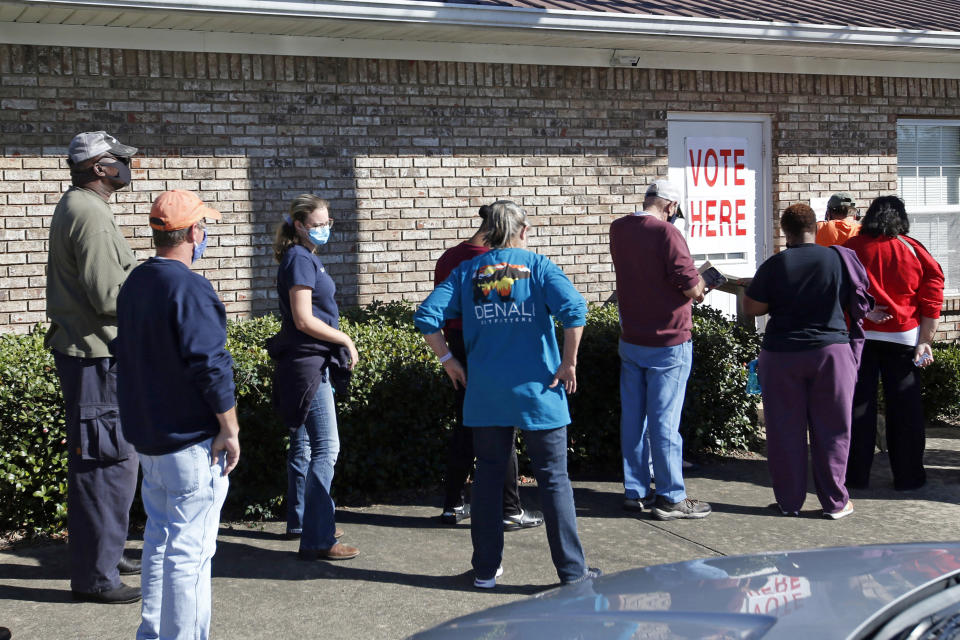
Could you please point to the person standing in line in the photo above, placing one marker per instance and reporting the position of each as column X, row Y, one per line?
column 507, row 299
column 656, row 284
column 808, row 361
column 312, row 357
column 177, row 403
column 460, row 449
column 88, row 262
column 841, row 223
column 908, row 285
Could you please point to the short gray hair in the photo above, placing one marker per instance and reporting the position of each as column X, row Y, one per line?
column 175, row 237
column 505, row 222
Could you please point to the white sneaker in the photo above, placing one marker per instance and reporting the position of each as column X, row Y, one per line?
column 843, row 513
column 489, row 583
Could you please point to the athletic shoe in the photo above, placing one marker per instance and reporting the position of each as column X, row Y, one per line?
column 639, row 504
column 590, row 574
column 455, row 515
column 843, row 513
column 489, row 583
column 523, row 520
column 686, row 508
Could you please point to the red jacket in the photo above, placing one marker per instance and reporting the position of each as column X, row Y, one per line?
column 909, row 283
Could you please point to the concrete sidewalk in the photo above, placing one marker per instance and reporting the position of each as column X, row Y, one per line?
column 414, row 573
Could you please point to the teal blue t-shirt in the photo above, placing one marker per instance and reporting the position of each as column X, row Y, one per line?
column 507, row 299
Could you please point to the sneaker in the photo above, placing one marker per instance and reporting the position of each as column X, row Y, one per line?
column 639, row 504
column 489, row 583
column 791, row 514
column 591, row 573
column 455, row 515
column 523, row 520
column 843, row 513
column 686, row 508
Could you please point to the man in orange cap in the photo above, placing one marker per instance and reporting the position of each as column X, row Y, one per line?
column 842, row 221
column 177, row 404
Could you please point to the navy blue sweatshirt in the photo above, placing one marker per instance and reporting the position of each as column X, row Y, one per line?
column 173, row 373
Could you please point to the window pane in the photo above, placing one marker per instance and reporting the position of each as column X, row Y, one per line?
column 950, row 146
column 907, row 145
column 951, row 183
column 940, row 234
column 928, row 146
column 929, row 186
column 907, row 181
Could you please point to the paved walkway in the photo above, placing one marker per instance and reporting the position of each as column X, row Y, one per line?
column 413, row 573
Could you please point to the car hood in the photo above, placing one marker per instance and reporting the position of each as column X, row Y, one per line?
column 822, row 593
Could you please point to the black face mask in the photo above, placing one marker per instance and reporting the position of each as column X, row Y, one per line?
column 122, row 165
column 676, row 216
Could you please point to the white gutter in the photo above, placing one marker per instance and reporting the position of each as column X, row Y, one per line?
column 437, row 13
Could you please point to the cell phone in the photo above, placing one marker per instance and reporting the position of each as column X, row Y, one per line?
column 925, row 358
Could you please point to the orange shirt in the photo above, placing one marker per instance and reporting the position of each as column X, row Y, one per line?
column 836, row 232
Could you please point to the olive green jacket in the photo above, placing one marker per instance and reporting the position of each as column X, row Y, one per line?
column 88, row 261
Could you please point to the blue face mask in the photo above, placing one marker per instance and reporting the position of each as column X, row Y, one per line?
column 319, row 235
column 200, row 248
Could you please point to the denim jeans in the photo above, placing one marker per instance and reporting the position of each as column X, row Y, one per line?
column 314, row 447
column 653, row 383
column 548, row 453
column 182, row 495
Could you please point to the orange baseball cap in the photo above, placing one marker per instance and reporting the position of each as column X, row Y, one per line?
column 178, row 209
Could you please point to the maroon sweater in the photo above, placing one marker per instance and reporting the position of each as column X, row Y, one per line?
column 654, row 268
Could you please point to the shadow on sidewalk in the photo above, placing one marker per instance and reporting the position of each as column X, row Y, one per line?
column 240, row 561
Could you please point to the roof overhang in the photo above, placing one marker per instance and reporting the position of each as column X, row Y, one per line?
column 393, row 29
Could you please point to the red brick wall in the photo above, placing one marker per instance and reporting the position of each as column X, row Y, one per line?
column 406, row 152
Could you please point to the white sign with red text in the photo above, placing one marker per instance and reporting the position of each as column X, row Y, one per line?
column 720, row 203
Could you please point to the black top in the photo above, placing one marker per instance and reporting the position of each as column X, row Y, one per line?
column 804, row 286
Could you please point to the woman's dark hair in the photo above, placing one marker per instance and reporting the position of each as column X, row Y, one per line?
column 887, row 216
column 798, row 219
column 301, row 207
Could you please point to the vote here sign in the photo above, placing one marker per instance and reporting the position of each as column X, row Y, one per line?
column 720, row 195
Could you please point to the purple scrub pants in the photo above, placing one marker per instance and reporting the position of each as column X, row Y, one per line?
column 808, row 388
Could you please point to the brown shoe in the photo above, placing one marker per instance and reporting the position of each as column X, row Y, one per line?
column 336, row 552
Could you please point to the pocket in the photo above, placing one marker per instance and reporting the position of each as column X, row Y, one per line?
column 101, row 436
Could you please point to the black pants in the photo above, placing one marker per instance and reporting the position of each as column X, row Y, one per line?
column 893, row 364
column 460, row 449
column 101, row 472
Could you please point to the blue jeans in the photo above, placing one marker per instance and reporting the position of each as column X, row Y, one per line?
column 653, row 383
column 548, row 452
column 314, row 447
column 182, row 494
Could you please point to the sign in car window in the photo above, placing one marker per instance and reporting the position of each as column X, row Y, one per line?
column 720, row 187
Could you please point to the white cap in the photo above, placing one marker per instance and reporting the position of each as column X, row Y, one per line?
column 664, row 189
column 94, row 143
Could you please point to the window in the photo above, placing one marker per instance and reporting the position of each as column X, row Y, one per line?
column 928, row 172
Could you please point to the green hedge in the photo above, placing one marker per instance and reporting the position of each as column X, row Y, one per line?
column 395, row 423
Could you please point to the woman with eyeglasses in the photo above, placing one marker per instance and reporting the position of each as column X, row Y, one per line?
column 508, row 298
column 312, row 355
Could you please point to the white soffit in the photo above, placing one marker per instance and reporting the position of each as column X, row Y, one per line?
column 470, row 33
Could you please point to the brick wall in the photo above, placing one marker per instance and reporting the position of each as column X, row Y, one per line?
column 406, row 152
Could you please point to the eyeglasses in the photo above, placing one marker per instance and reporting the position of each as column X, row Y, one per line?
column 328, row 223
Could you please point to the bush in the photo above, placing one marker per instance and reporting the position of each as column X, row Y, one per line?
column 717, row 414
column 941, row 383
column 395, row 423
column 33, row 451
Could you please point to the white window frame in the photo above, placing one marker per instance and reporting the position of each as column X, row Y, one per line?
column 954, row 287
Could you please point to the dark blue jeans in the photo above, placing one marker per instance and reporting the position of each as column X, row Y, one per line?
column 548, row 452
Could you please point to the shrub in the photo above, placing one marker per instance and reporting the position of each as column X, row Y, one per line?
column 941, row 382
column 33, row 451
column 717, row 414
